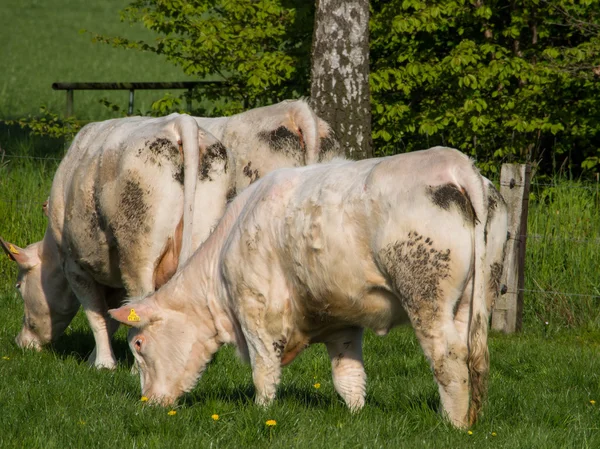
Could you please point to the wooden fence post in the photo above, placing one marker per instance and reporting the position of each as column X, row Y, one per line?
column 507, row 315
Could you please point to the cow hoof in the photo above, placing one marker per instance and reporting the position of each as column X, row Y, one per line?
column 105, row 365
column 263, row 401
column 356, row 405
column 102, row 364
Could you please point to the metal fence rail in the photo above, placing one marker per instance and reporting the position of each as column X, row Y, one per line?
column 132, row 87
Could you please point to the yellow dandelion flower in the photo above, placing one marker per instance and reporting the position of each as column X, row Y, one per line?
column 172, row 412
column 317, row 385
column 144, row 399
column 6, row 357
column 592, row 401
column 470, row 432
column 494, row 434
column 215, row 417
column 271, row 423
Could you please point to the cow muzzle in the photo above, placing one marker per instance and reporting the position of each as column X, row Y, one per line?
column 28, row 340
column 163, row 401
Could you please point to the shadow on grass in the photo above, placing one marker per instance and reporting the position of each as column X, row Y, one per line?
column 243, row 395
column 422, row 400
column 80, row 344
column 17, row 141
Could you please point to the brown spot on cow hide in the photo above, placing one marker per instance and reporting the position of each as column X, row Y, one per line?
column 231, row 193
column 132, row 202
column 163, row 151
column 132, row 214
column 252, row 174
column 329, row 147
column 214, row 153
column 447, row 195
column 494, row 198
column 279, row 346
column 416, row 269
column 495, row 276
column 282, row 140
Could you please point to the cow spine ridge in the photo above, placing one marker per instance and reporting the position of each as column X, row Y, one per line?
column 187, row 133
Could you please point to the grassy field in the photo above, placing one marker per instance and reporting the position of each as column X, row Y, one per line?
column 544, row 382
column 42, row 44
column 540, row 396
column 562, row 273
column 541, row 387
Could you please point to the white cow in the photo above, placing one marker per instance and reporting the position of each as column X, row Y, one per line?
column 117, row 221
column 267, row 138
column 316, row 254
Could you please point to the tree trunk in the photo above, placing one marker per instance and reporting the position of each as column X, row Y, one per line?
column 340, row 91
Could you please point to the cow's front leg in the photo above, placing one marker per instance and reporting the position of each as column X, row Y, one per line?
column 266, row 368
column 349, row 377
column 91, row 297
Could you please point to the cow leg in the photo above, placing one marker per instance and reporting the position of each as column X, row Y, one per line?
column 266, row 367
column 349, row 378
column 263, row 330
column 91, row 297
column 112, row 327
column 463, row 312
column 140, row 282
column 447, row 355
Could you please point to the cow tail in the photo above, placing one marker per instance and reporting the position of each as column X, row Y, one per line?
column 307, row 125
column 478, row 361
column 187, row 133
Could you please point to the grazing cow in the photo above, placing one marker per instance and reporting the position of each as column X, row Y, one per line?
column 316, row 254
column 286, row 134
column 117, row 221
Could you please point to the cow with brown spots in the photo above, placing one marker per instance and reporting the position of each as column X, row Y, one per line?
column 117, row 220
column 286, row 134
column 315, row 255
column 127, row 205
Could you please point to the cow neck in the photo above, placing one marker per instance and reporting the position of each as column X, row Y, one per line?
column 199, row 287
column 197, row 290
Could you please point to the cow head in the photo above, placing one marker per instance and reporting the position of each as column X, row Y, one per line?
column 170, row 347
column 49, row 303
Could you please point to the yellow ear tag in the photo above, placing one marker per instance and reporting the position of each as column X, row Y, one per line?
column 12, row 249
column 133, row 316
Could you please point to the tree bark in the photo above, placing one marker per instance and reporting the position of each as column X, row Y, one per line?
column 340, row 91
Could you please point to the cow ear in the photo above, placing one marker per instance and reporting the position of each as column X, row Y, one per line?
column 135, row 314
column 45, row 207
column 25, row 258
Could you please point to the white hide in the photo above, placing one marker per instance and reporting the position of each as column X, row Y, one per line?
column 316, row 254
column 117, row 221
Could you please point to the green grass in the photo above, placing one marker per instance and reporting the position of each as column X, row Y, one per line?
column 563, row 256
column 541, row 382
column 540, row 392
column 42, row 44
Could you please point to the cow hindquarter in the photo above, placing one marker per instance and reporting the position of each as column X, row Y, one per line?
column 426, row 250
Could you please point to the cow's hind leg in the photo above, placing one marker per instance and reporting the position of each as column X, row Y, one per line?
column 349, row 378
column 447, row 355
column 429, row 280
column 111, row 327
column 91, row 295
